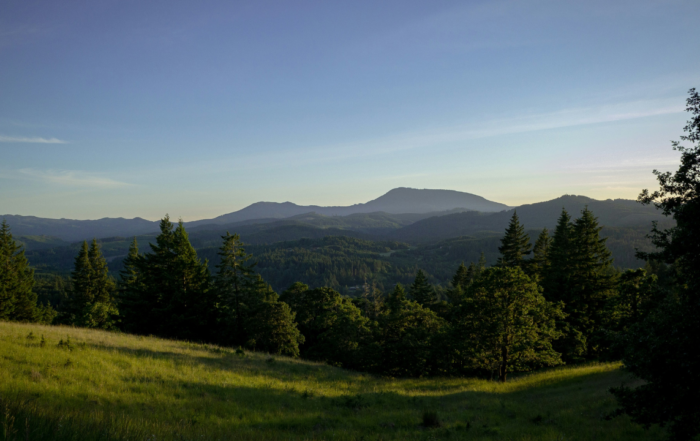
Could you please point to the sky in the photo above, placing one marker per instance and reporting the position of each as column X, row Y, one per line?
column 196, row 109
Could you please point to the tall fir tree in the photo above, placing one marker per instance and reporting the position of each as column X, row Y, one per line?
column 155, row 270
column 514, row 245
column 233, row 282
column 592, row 283
column 189, row 305
column 557, row 285
column 91, row 302
column 82, row 294
column 540, row 255
column 421, row 291
column 18, row 302
column 132, row 300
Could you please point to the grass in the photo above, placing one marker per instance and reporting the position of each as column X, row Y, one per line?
column 106, row 386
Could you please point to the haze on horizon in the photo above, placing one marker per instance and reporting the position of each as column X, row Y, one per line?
column 126, row 108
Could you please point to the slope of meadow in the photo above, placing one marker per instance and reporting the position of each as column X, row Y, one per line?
column 115, row 386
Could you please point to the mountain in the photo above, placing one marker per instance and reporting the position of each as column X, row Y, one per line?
column 397, row 201
column 411, row 204
column 611, row 213
column 72, row 230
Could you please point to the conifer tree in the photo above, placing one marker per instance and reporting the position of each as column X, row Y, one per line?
column 103, row 284
column 189, row 306
column 82, row 294
column 462, row 276
column 233, row 282
column 421, row 291
column 132, row 299
column 514, row 245
column 17, row 300
column 91, row 304
column 540, row 258
column 155, row 270
column 396, row 301
column 591, row 284
column 557, row 285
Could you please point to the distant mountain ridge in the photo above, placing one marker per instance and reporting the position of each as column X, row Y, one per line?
column 400, row 200
column 610, row 213
column 397, row 201
column 261, row 220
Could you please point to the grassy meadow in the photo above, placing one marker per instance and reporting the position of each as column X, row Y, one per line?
column 108, row 386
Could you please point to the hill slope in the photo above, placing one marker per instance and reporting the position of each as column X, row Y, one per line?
column 115, row 386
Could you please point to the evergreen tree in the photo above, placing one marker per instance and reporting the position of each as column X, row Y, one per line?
column 91, row 304
column 540, row 258
column 146, row 299
column 269, row 323
column 18, row 302
column 233, row 281
column 396, row 301
column 557, row 285
column 592, row 283
column 421, row 291
column 189, row 305
column 506, row 324
column 133, row 303
column 662, row 350
column 82, row 294
column 514, row 245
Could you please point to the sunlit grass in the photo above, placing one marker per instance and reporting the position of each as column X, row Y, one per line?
column 112, row 386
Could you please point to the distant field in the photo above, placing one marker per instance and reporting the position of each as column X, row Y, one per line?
column 115, row 386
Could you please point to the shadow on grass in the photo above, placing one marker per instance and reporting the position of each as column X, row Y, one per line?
column 192, row 409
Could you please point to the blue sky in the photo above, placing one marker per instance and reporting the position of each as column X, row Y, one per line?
column 133, row 108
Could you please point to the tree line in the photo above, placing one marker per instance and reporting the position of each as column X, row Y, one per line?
column 563, row 304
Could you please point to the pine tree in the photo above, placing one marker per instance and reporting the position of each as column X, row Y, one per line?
column 132, row 301
column 396, row 301
column 17, row 299
column 462, row 276
column 557, row 285
column 91, row 303
column 82, row 294
column 540, row 258
column 155, row 271
column 233, row 282
column 514, row 245
column 189, row 306
column 556, row 277
column 591, row 284
column 421, row 291
column 103, row 284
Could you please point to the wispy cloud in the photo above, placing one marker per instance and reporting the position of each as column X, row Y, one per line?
column 72, row 178
column 34, row 140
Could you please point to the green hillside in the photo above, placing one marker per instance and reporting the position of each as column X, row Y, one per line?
column 115, row 386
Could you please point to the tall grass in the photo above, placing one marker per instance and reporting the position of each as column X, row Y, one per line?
column 107, row 386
